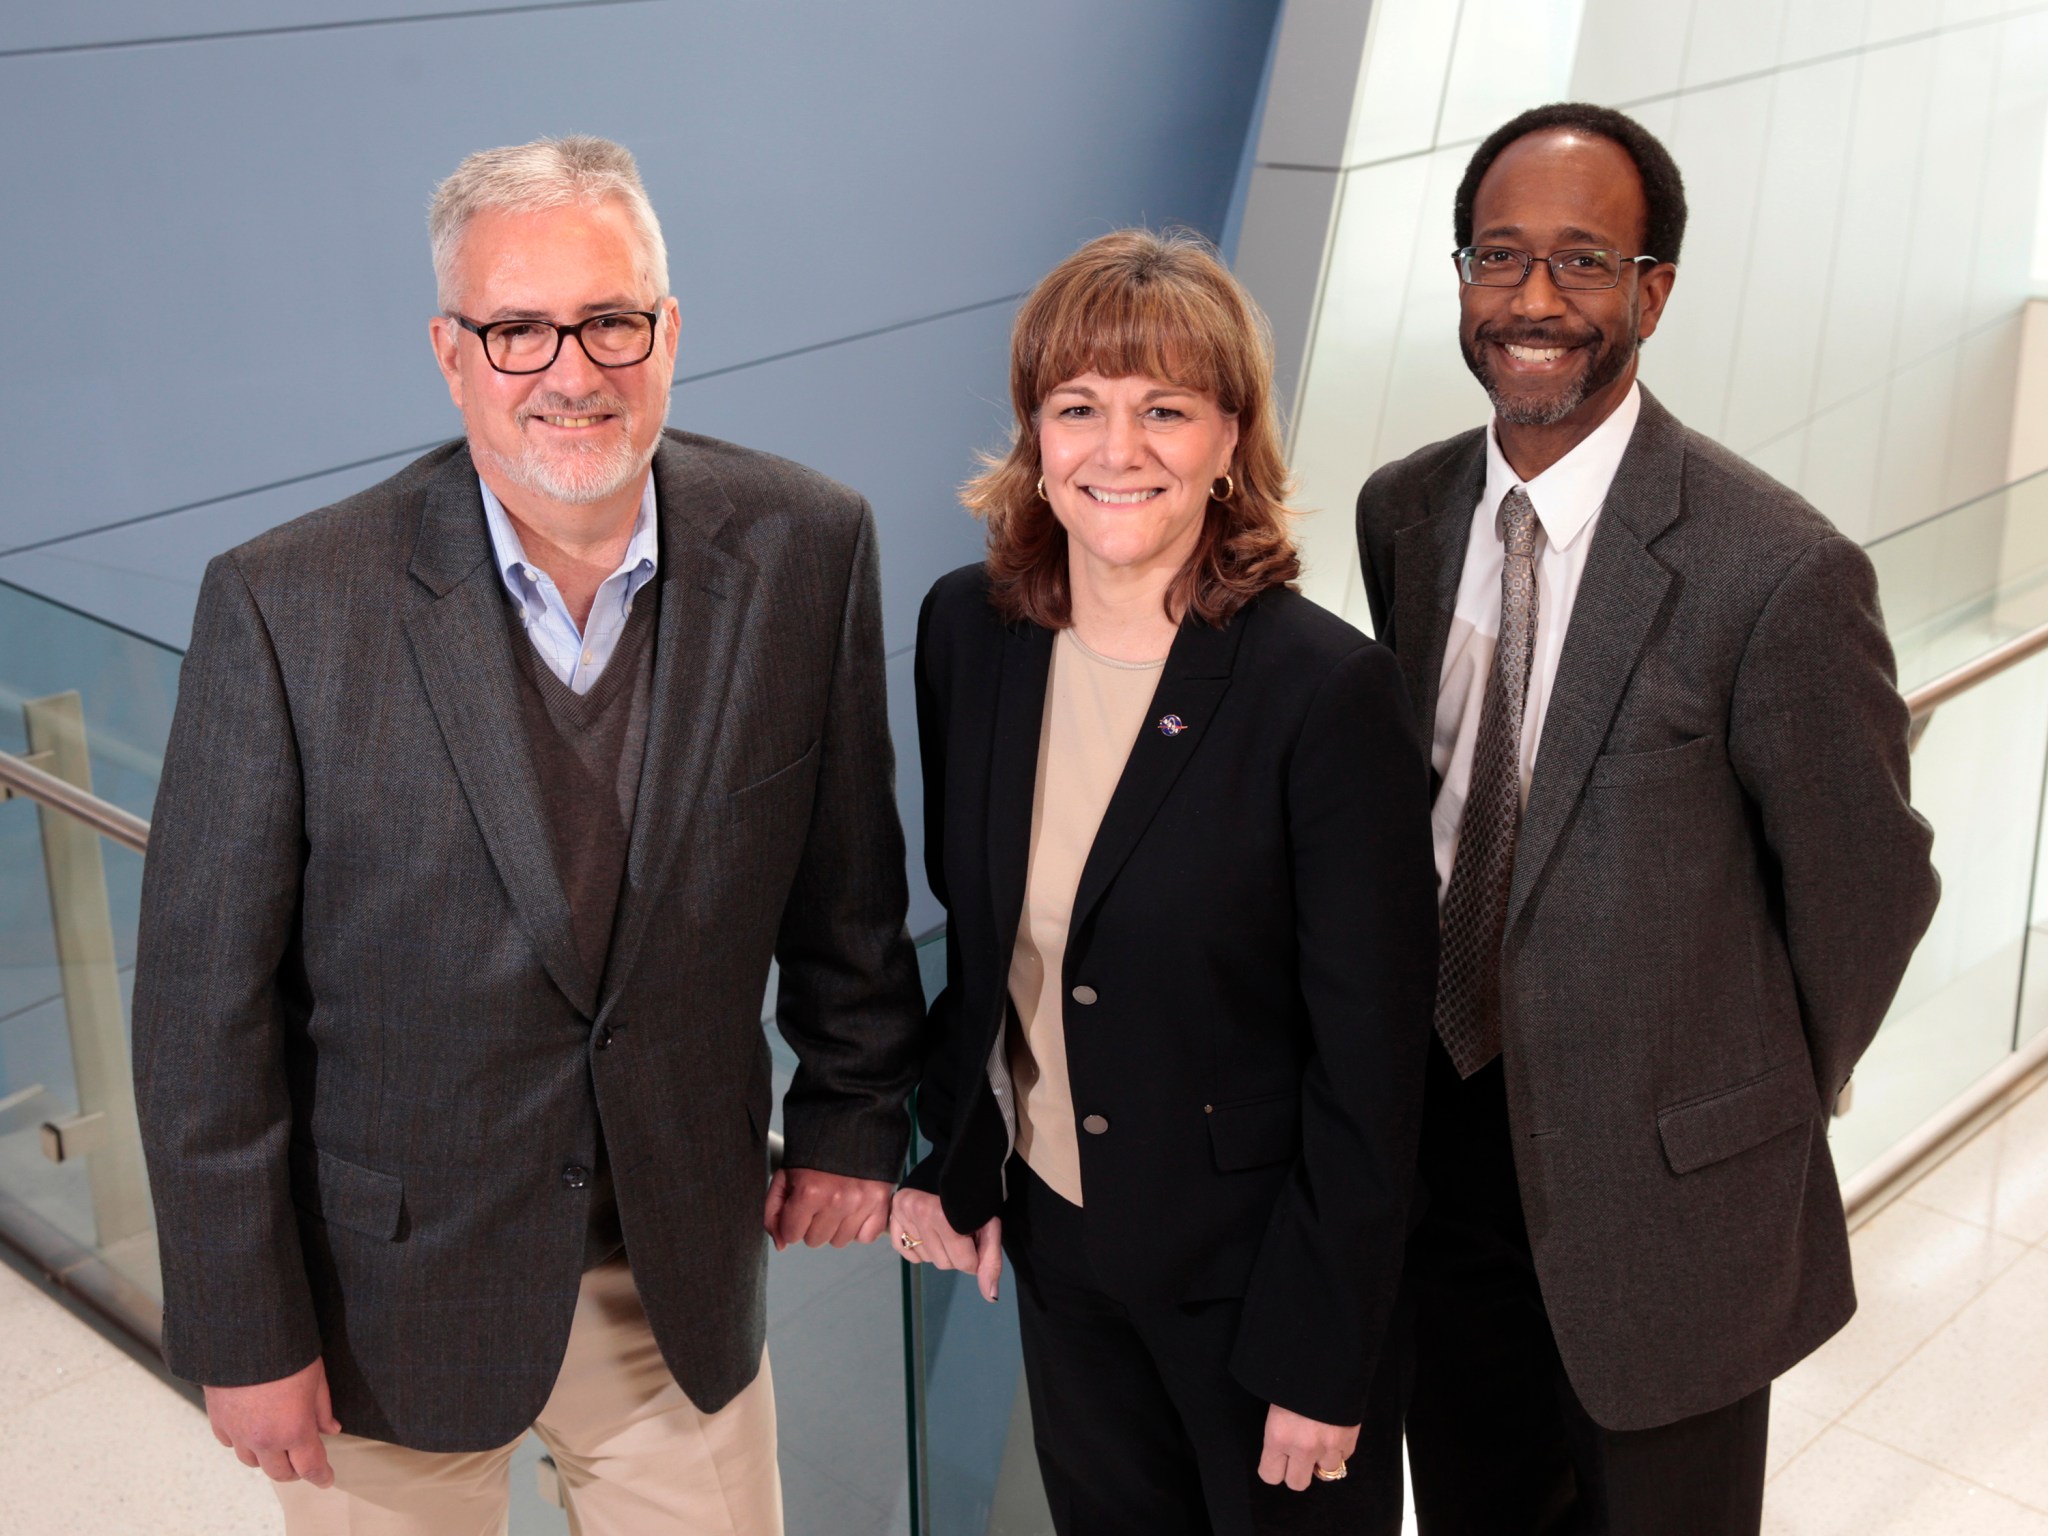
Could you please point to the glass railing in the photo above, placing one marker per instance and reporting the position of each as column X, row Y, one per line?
column 1954, row 588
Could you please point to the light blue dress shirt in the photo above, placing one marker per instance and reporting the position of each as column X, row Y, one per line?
column 577, row 657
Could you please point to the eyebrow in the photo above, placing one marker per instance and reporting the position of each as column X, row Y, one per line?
column 600, row 307
column 1500, row 232
column 1151, row 394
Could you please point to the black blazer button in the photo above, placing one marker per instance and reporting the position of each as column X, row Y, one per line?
column 575, row 1176
column 1084, row 994
column 1095, row 1125
column 604, row 1036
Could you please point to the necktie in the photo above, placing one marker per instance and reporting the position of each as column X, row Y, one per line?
column 1476, row 905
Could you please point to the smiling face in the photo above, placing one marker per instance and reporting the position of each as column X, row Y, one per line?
column 1550, row 358
column 576, row 435
column 1128, row 466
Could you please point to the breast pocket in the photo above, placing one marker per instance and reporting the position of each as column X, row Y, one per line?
column 1615, row 770
column 772, row 790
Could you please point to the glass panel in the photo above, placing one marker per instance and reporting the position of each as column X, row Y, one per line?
column 86, row 1216
column 1953, row 587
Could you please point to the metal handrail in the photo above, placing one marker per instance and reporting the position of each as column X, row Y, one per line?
column 104, row 817
column 1928, row 697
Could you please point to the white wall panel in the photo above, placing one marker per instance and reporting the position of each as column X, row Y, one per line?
column 2010, row 194
column 1407, row 54
column 1839, row 471
column 1913, row 452
column 1889, row 20
column 1719, row 142
column 1786, row 281
column 1510, row 54
column 1730, row 38
column 1629, row 50
column 1816, row 28
column 1980, row 426
column 1869, row 257
column 1934, row 299
column 1382, row 223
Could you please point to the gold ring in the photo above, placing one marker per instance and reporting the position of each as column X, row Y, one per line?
column 908, row 1241
column 1335, row 1474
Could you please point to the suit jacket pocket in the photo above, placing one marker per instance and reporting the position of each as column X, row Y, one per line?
column 345, row 1194
column 1618, row 768
column 753, row 798
column 1711, row 1129
column 1254, row 1133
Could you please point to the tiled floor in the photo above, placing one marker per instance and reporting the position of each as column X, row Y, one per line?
column 1927, row 1416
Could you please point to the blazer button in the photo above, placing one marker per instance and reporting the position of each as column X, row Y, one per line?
column 1095, row 1125
column 604, row 1037
column 1084, row 994
column 575, row 1176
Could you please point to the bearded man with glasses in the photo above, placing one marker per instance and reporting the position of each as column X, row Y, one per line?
column 1679, row 881
column 492, row 792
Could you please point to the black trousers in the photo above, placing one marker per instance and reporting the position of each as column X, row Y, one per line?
column 1498, row 1443
column 1140, row 1428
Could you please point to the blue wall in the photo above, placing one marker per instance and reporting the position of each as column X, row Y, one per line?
column 215, row 242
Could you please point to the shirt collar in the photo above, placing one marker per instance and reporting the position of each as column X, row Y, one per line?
column 522, row 577
column 1568, row 495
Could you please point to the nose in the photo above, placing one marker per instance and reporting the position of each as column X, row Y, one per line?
column 1123, row 444
column 1538, row 298
column 573, row 373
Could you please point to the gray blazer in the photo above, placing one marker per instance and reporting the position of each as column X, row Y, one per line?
column 1718, row 884
column 367, row 1056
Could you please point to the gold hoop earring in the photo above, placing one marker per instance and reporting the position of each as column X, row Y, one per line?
column 1229, row 489
column 1041, row 491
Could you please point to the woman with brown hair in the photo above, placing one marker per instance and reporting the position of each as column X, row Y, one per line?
column 1177, row 815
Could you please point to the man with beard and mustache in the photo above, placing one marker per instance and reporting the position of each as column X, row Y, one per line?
column 1680, row 881
column 492, row 792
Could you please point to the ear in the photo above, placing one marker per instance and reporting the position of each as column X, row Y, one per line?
column 1653, row 292
column 671, row 331
column 446, row 337
column 1229, row 442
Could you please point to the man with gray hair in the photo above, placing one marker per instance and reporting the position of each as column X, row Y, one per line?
column 491, row 794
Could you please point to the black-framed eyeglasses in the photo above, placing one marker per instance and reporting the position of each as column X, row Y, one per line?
column 616, row 340
column 1502, row 266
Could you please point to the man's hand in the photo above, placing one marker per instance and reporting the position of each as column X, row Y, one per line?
column 918, row 1228
column 277, row 1425
column 811, row 1207
column 1296, row 1446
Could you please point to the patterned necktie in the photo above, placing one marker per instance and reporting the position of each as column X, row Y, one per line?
column 1476, row 905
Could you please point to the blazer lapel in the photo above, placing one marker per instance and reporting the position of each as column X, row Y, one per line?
column 705, row 592
column 1013, row 770
column 1620, row 598
column 1429, row 560
column 462, row 643
column 1197, row 674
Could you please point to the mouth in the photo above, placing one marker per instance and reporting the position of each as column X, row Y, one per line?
column 1110, row 498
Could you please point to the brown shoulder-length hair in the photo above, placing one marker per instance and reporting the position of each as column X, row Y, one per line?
column 1163, row 306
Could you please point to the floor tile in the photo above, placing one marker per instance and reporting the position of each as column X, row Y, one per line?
column 2000, row 1178
column 1974, row 1400
column 43, row 1348
column 1846, row 1485
column 118, row 1454
column 1793, row 1429
column 1915, row 1269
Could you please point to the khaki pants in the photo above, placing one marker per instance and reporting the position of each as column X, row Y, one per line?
column 634, row 1456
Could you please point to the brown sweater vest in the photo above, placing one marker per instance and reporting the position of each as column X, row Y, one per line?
column 587, row 750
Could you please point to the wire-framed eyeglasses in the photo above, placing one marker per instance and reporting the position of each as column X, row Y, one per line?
column 1502, row 266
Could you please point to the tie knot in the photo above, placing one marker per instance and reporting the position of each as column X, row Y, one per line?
column 1518, row 523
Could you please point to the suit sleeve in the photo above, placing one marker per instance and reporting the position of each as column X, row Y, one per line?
column 934, row 1098
column 1817, row 735
column 1321, row 1298
column 220, row 904
column 1375, row 562
column 848, row 1002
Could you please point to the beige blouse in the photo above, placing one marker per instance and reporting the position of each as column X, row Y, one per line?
column 1094, row 709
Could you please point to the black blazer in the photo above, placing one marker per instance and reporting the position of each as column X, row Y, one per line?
column 1257, row 923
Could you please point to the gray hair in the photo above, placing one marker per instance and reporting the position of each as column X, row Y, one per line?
column 525, row 178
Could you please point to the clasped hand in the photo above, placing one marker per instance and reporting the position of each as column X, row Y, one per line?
column 922, row 1235
column 812, row 1207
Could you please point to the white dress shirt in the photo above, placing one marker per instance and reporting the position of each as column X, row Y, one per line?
column 1567, row 497
column 576, row 656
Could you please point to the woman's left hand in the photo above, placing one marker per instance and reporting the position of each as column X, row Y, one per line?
column 1296, row 1447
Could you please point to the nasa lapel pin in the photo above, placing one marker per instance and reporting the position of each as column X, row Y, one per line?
column 1171, row 725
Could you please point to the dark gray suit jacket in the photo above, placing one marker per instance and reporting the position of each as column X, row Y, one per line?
column 1718, row 884
column 367, row 1054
